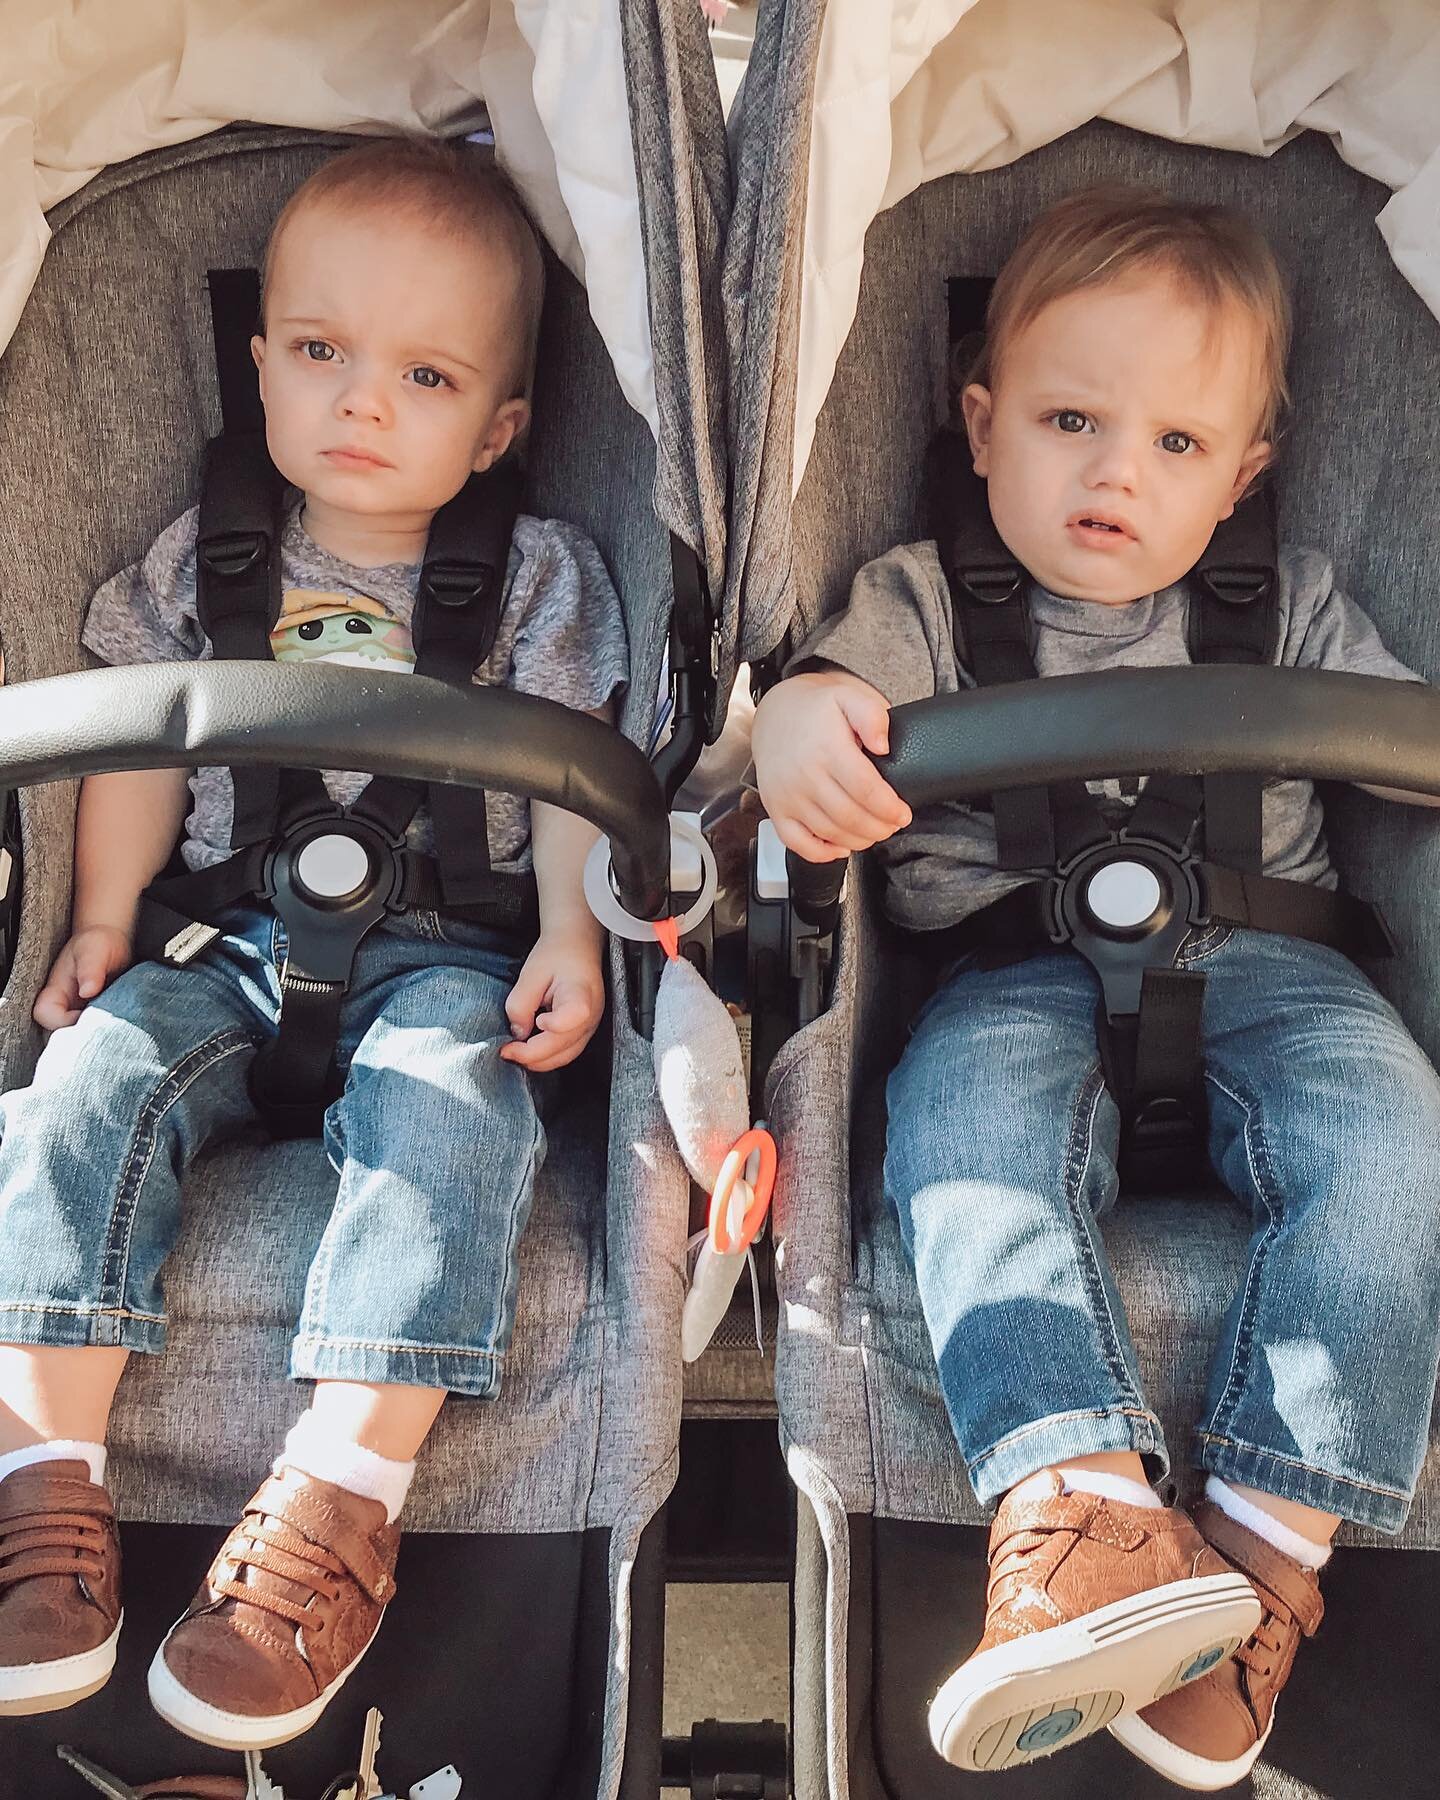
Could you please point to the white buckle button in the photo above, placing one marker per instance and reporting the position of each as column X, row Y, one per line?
column 1123, row 895
column 332, row 866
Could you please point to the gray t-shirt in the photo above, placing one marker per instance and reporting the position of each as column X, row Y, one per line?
column 561, row 635
column 896, row 633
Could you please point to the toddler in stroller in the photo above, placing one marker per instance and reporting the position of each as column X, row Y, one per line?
column 402, row 295
column 1127, row 399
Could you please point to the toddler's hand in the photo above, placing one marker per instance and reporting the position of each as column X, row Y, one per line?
column 823, row 793
column 562, row 975
column 83, row 969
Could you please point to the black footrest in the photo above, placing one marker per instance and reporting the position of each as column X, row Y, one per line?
column 728, row 1762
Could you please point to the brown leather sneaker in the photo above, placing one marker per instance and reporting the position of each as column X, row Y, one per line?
column 59, row 1587
column 289, row 1607
column 1094, row 1608
column 1209, row 1734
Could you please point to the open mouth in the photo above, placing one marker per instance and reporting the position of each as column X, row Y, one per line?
column 1097, row 527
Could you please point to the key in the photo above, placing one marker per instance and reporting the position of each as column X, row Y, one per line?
column 367, row 1787
column 444, row 1784
column 258, row 1785
column 95, row 1775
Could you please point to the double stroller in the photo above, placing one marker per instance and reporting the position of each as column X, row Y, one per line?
column 543, row 1513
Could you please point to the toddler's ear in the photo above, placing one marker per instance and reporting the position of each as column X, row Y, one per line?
column 1252, row 466
column 257, row 350
column 978, row 408
column 509, row 421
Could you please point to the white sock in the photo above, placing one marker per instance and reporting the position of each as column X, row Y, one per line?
column 1109, row 1487
column 319, row 1450
column 57, row 1450
column 1091, row 1481
column 1285, row 1538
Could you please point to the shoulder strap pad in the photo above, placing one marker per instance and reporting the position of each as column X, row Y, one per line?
column 462, row 582
column 1235, row 587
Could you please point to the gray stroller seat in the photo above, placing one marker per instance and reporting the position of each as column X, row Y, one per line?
column 889, row 1585
column 528, row 1518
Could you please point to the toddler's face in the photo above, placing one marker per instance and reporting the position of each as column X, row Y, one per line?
column 1121, row 428
column 386, row 363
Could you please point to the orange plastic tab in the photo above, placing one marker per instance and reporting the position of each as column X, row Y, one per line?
column 757, row 1138
column 667, row 933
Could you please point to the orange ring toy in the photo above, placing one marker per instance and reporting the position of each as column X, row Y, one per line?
column 739, row 1153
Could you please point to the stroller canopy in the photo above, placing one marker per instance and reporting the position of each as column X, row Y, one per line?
column 903, row 93
column 89, row 86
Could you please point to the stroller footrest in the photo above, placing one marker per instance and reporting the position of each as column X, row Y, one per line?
column 728, row 1762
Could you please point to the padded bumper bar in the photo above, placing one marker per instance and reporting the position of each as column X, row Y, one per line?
column 169, row 715
column 1181, row 721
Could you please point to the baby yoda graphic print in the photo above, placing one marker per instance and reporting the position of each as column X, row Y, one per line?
column 340, row 628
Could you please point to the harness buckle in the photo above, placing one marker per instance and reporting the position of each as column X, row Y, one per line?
column 457, row 584
column 232, row 553
column 991, row 584
column 1237, row 584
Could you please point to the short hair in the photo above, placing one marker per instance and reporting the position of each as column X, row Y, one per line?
column 1101, row 234
column 455, row 188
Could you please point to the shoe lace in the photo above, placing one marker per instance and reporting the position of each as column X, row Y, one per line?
column 276, row 1548
column 51, row 1543
column 1263, row 1649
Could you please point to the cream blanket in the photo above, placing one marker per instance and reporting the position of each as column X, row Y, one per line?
column 85, row 83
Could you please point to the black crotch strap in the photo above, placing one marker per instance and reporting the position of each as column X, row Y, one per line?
column 1154, row 1065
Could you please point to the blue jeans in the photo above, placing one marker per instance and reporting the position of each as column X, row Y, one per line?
column 436, row 1142
column 1324, row 1122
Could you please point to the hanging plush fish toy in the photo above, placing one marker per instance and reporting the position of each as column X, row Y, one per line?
column 700, row 1071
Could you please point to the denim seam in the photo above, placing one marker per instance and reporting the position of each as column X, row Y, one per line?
column 1228, row 1441
column 1255, row 1154
column 79, row 1311
column 323, row 1340
column 1011, row 1438
column 512, row 1241
column 123, row 1210
column 1077, row 1166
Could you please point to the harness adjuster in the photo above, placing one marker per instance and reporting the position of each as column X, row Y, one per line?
column 991, row 584
column 232, row 553
column 456, row 584
column 1237, row 584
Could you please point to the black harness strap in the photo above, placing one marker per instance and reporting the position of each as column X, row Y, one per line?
column 277, row 811
column 1149, row 1021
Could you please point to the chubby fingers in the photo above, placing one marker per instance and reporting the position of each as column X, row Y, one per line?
column 58, row 1002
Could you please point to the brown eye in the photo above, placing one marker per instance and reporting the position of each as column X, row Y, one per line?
column 1178, row 443
column 1071, row 421
column 318, row 350
column 427, row 377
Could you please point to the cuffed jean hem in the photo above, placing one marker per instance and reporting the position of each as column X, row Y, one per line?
column 1381, row 1509
column 454, row 1368
column 1064, row 1435
column 87, row 1327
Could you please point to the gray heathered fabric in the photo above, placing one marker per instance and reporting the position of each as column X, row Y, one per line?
column 561, row 635
column 897, row 634
column 684, row 174
column 106, row 396
column 861, row 1415
column 770, row 145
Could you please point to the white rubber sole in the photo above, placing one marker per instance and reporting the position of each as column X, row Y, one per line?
column 223, row 1730
column 1044, row 1692
column 1198, row 1773
column 51, row 1686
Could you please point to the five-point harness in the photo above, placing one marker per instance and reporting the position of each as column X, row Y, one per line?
column 331, row 873
column 1189, row 854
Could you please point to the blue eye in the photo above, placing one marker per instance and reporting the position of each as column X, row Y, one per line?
column 1178, row 443
column 1071, row 421
column 318, row 350
column 427, row 377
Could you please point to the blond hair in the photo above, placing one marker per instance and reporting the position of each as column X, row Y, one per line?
column 453, row 188
column 1103, row 234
